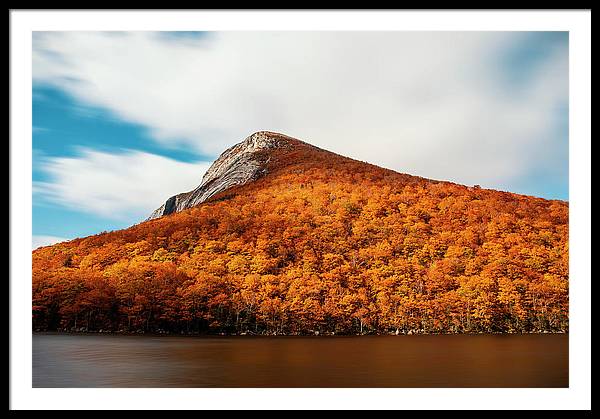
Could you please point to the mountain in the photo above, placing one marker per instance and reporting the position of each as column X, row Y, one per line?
column 283, row 237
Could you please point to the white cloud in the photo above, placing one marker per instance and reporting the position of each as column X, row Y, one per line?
column 426, row 103
column 117, row 186
column 39, row 241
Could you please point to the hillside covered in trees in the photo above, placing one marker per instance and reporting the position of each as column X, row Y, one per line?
column 319, row 243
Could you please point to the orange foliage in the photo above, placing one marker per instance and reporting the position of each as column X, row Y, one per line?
column 323, row 243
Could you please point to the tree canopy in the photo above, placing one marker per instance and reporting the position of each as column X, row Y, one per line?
column 321, row 244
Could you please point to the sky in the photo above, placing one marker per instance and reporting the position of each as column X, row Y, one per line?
column 124, row 120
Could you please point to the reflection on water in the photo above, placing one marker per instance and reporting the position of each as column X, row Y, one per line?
column 358, row 361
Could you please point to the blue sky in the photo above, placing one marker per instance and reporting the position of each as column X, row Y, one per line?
column 121, row 121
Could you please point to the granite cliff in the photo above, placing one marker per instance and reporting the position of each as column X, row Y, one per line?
column 236, row 166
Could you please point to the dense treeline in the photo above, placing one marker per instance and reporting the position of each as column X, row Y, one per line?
column 325, row 244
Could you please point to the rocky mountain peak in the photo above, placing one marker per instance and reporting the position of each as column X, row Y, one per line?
column 263, row 139
column 238, row 165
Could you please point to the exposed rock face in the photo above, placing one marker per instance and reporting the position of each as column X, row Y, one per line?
column 240, row 164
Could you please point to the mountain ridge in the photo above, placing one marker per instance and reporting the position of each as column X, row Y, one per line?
column 249, row 160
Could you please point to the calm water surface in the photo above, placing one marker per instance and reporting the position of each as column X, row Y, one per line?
column 358, row 361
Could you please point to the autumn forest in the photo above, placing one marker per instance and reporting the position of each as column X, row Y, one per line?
column 321, row 244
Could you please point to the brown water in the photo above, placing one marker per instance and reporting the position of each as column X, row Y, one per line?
column 358, row 361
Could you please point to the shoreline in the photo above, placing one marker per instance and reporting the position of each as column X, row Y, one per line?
column 324, row 335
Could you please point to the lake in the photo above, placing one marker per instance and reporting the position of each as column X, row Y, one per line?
column 326, row 361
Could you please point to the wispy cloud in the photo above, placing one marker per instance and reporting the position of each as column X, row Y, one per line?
column 39, row 241
column 434, row 104
column 115, row 186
